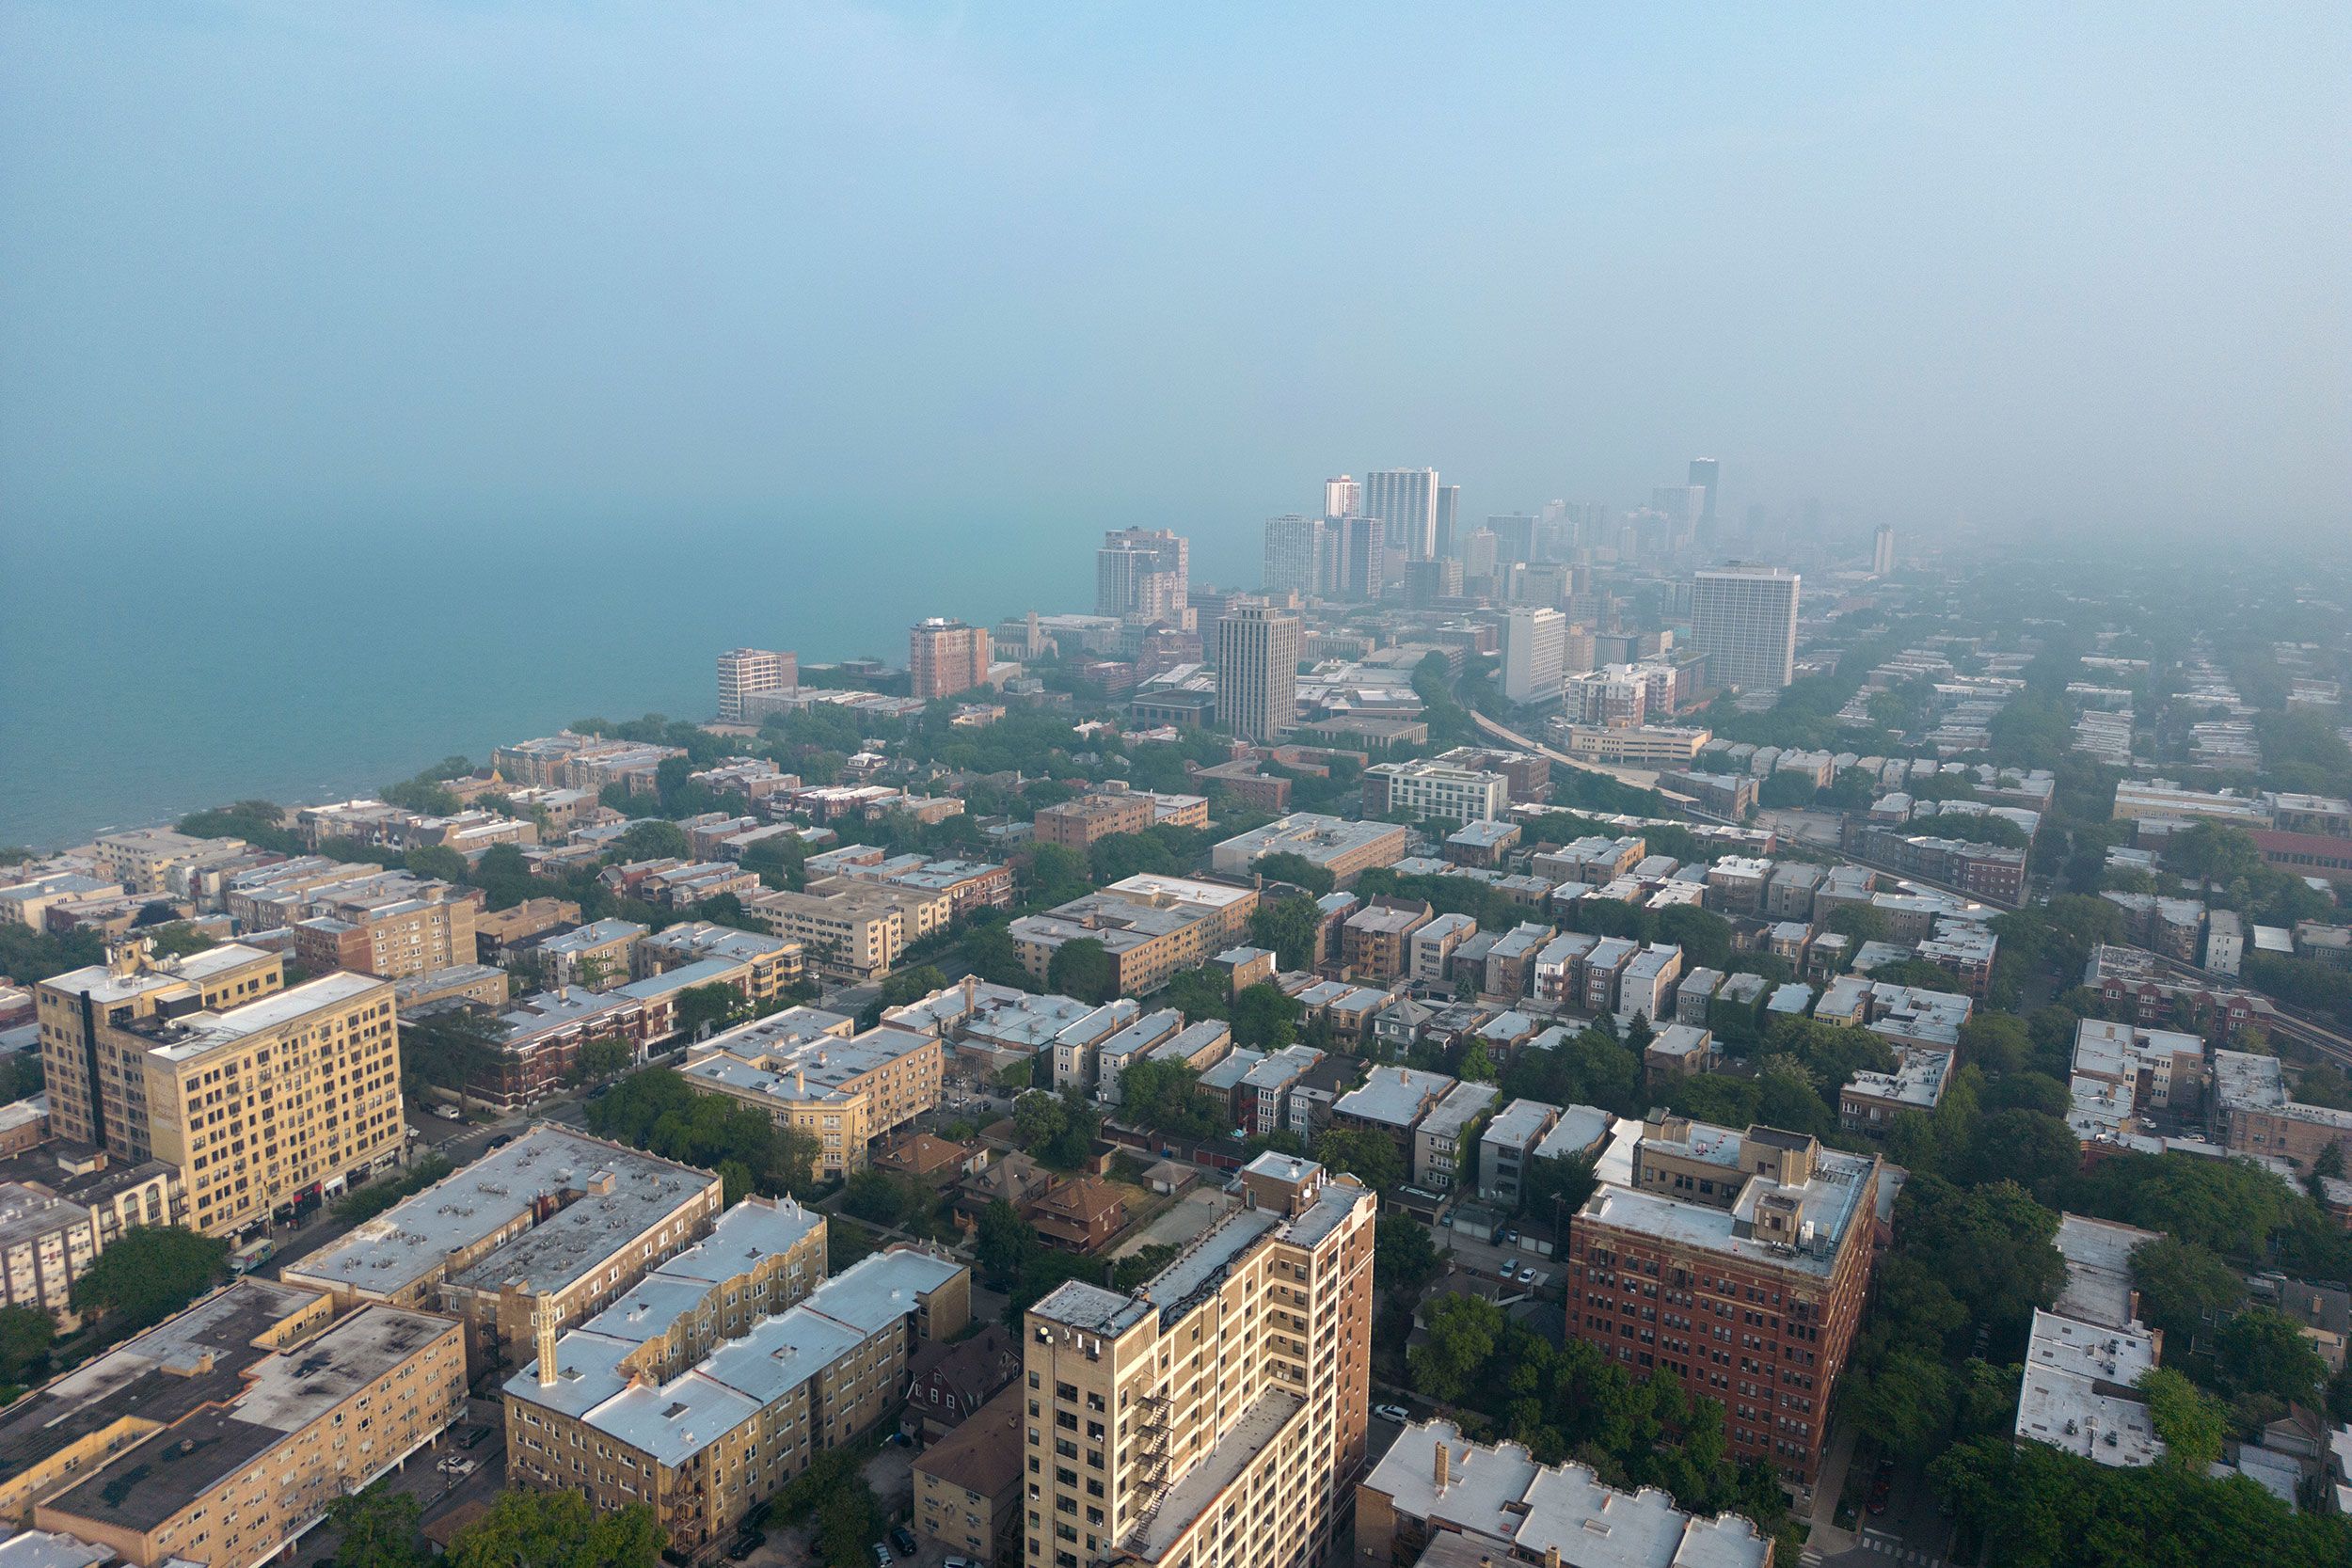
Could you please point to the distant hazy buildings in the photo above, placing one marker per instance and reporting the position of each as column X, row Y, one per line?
column 1362, row 559
column 1343, row 497
column 1298, row 554
column 1143, row 575
column 1745, row 619
column 1709, row 472
column 1406, row 501
column 743, row 672
column 1449, row 507
column 1883, row 551
column 1534, row 654
column 944, row 658
column 1257, row 669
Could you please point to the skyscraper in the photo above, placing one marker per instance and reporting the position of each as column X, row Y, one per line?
column 1743, row 617
column 944, row 658
column 1514, row 536
column 1883, row 551
column 1143, row 575
column 1708, row 471
column 1295, row 550
column 1257, row 670
column 1406, row 501
column 1534, row 652
column 743, row 672
column 1343, row 497
column 1479, row 553
column 1362, row 559
column 1217, row 1414
column 1449, row 505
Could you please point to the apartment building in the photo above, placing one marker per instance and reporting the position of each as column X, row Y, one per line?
column 2253, row 1114
column 144, row 858
column 554, row 1222
column 1424, row 789
column 1078, row 824
column 66, row 1203
column 264, row 1104
column 944, row 658
column 1738, row 1262
column 1441, row 1500
column 570, row 761
column 1152, row 926
column 1377, row 940
column 1744, row 618
column 1652, row 746
column 806, row 1070
column 772, row 964
column 382, row 928
column 1344, row 849
column 852, row 932
column 1391, row 1101
column 222, row 1434
column 46, row 1243
column 84, row 1014
column 937, row 891
column 1451, row 1125
column 1216, row 1413
column 1434, row 944
column 748, row 672
column 596, row 1413
column 967, row 1485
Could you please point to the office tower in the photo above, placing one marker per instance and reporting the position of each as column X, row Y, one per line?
column 267, row 1098
column 1515, row 536
column 1681, row 507
column 1295, row 550
column 1743, row 617
column 1709, row 472
column 1343, row 497
column 944, row 658
column 1143, row 575
column 1427, row 582
column 743, row 672
column 1216, row 1415
column 1405, row 500
column 1449, row 507
column 1257, row 670
column 1737, row 1218
column 1362, row 559
column 1883, row 551
column 1479, row 553
column 1535, row 652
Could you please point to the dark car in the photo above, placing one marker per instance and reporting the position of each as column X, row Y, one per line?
column 904, row 1539
column 472, row 1436
column 1882, row 1486
column 745, row 1544
column 499, row 1142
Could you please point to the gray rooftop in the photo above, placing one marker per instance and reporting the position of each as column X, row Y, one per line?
column 1393, row 1096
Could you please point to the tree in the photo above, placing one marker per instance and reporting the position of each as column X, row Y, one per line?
column 1288, row 928
column 2030, row 1148
column 1163, row 1097
column 1370, row 1157
column 988, row 951
column 1055, row 1129
column 1298, row 870
column 1904, row 1403
column 1198, row 993
column 379, row 1527
column 1082, row 968
column 1403, row 1258
column 1003, row 1238
column 650, row 840
column 2192, row 1422
column 1057, row 874
column 152, row 1273
column 25, row 1333
column 1993, row 1245
column 437, row 860
column 1462, row 1334
column 2182, row 1289
column 1263, row 1018
column 911, row 985
column 1859, row 923
column 2263, row 1351
column 715, row 1006
column 884, row 1198
column 1704, row 936
column 656, row 1109
column 178, row 939
column 450, row 1049
column 527, row 1528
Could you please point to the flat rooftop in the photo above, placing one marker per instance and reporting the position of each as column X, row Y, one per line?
column 198, row 1033
column 412, row 1240
column 1393, row 1096
column 103, row 985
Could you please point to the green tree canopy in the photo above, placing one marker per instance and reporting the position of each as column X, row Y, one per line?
column 527, row 1528
column 1287, row 928
column 1370, row 1157
column 379, row 1527
column 1082, row 968
column 1263, row 1018
column 152, row 1273
column 1298, row 870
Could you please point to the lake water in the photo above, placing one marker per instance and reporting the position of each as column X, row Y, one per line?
column 149, row 675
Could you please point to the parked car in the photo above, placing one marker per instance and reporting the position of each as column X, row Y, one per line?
column 449, row 1113
column 882, row 1556
column 904, row 1539
column 471, row 1437
column 1508, row 1238
column 745, row 1544
column 1882, row 1486
column 1396, row 1413
column 963, row 1562
column 458, row 1466
column 499, row 1142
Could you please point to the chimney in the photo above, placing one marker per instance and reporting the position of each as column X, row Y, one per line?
column 1445, row 1466
column 543, row 1326
column 1551, row 1554
column 971, row 994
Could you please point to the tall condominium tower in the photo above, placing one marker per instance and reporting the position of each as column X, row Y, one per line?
column 1708, row 471
column 1514, row 536
column 945, row 656
column 1257, row 670
column 1362, row 559
column 1296, row 550
column 1143, row 575
column 1343, row 497
column 1883, row 551
column 1449, row 506
column 743, row 672
column 1479, row 553
column 1745, row 619
column 1216, row 1413
column 1534, row 655
column 1405, row 500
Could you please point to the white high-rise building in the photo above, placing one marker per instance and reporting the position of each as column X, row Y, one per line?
column 1883, row 551
column 1143, row 575
column 1257, row 670
column 1343, row 497
column 1296, row 550
column 1743, row 617
column 1534, row 654
column 1406, row 501
column 743, row 672
column 1479, row 553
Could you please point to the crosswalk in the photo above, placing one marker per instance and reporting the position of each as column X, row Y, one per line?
column 1885, row 1546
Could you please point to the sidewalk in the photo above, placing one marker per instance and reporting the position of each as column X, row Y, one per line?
column 1827, row 1540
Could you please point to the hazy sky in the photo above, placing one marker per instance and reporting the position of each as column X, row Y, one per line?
column 1169, row 263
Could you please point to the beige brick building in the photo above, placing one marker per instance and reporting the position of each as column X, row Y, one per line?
column 854, row 932
column 1216, row 1416
column 1077, row 824
column 223, row 1433
column 805, row 1070
column 1151, row 926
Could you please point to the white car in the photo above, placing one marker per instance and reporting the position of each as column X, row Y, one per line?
column 1396, row 1413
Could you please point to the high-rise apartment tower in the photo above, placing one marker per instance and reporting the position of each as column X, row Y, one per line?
column 1257, row 670
column 1745, row 619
